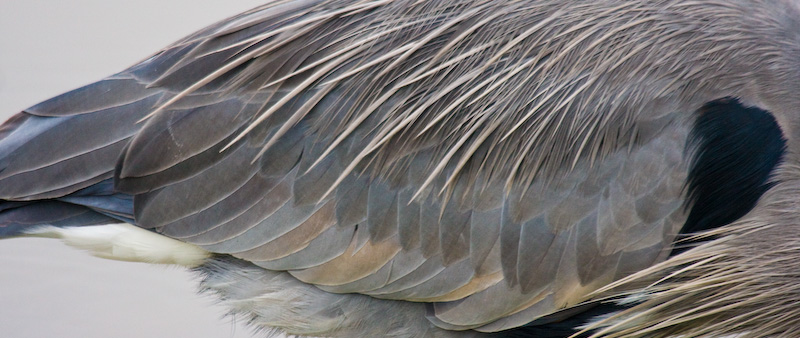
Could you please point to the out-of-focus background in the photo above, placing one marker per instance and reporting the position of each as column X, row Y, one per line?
column 47, row 289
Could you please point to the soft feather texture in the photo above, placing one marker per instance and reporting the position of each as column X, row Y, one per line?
column 743, row 284
column 125, row 242
column 498, row 160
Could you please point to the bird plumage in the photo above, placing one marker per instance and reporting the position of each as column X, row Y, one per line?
column 498, row 161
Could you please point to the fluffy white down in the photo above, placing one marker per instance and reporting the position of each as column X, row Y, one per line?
column 126, row 242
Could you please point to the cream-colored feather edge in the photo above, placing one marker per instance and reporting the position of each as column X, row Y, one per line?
column 126, row 242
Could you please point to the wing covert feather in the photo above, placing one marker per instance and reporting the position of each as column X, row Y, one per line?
column 56, row 148
column 384, row 223
column 357, row 176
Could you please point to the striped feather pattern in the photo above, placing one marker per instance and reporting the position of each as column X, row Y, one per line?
column 501, row 160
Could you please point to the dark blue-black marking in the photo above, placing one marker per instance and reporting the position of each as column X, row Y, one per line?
column 736, row 149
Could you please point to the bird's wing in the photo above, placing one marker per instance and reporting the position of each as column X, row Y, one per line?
column 404, row 150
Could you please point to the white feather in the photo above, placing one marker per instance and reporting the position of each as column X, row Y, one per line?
column 126, row 242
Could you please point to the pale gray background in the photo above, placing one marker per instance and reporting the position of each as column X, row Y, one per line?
column 47, row 289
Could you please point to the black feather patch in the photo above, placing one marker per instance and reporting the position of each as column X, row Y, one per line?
column 736, row 148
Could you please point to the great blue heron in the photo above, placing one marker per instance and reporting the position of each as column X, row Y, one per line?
column 445, row 168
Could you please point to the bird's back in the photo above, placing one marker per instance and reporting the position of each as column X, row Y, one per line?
column 456, row 165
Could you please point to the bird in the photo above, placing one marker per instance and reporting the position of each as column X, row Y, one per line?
column 445, row 168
